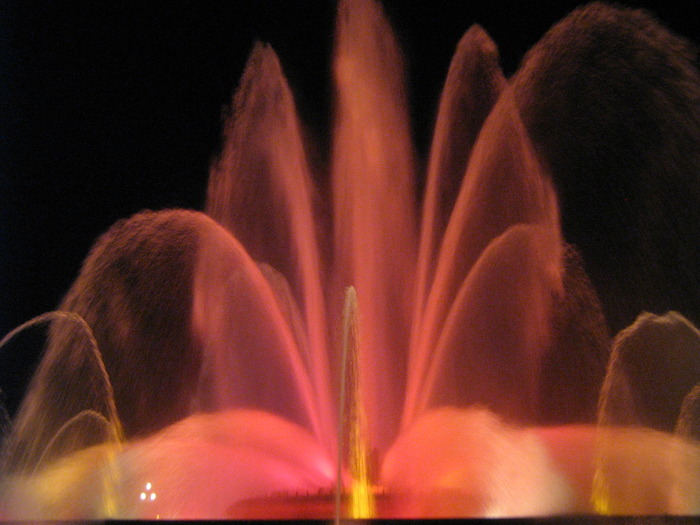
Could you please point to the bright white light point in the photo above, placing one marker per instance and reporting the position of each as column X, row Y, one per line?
column 143, row 495
column 148, row 486
column 153, row 496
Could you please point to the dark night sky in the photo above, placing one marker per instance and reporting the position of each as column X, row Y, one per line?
column 107, row 110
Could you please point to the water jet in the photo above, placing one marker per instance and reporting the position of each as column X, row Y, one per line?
column 477, row 346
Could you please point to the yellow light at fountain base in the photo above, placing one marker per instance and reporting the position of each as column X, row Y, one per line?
column 361, row 494
column 600, row 493
column 362, row 504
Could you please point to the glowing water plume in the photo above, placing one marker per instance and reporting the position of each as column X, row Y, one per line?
column 374, row 203
column 517, row 236
column 260, row 189
column 467, row 314
column 474, row 83
column 624, row 155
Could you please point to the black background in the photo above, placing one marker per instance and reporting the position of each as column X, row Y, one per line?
column 106, row 110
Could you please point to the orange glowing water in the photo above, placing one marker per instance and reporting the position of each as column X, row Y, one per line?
column 476, row 339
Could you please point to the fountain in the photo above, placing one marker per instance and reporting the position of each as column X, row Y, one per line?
column 292, row 354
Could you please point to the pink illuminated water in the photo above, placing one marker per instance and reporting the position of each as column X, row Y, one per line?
column 199, row 376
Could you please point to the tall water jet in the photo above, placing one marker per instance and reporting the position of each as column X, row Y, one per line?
column 374, row 202
column 261, row 190
column 474, row 82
